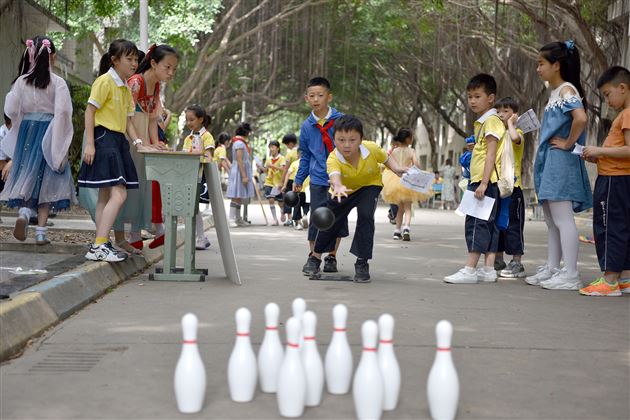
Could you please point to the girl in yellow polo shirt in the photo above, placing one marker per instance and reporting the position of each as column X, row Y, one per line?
column 355, row 180
column 107, row 163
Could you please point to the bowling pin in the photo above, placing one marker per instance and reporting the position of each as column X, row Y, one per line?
column 242, row 371
column 443, row 384
column 338, row 362
column 312, row 361
column 299, row 307
column 291, row 393
column 387, row 362
column 190, row 374
column 271, row 352
column 367, row 388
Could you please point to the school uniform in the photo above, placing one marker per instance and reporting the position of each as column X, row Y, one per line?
column 302, row 208
column 611, row 213
column 366, row 184
column 112, row 163
column 483, row 235
column 511, row 240
column 206, row 142
column 273, row 180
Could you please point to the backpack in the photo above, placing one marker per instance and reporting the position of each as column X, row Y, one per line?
column 506, row 177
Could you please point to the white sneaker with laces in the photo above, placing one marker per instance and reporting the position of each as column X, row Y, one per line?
column 542, row 274
column 562, row 280
column 105, row 252
column 463, row 276
column 486, row 276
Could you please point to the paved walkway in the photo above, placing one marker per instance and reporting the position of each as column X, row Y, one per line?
column 521, row 352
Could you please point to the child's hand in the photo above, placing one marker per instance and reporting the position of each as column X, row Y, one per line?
column 6, row 170
column 480, row 192
column 245, row 180
column 512, row 119
column 560, row 143
column 297, row 188
column 339, row 191
column 591, row 152
column 143, row 148
column 470, row 146
column 401, row 171
column 88, row 154
column 160, row 146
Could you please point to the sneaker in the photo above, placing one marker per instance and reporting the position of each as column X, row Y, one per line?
column 305, row 222
column 624, row 285
column 288, row 223
column 202, row 244
column 330, row 264
column 298, row 226
column 486, row 276
column 514, row 270
column 105, row 252
column 19, row 231
column 406, row 235
column 242, row 222
column 499, row 265
column 562, row 280
column 232, row 223
column 41, row 239
column 361, row 271
column 542, row 274
column 601, row 287
column 312, row 266
column 397, row 235
column 462, row 277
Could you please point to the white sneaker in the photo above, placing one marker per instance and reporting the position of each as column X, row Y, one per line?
column 202, row 243
column 562, row 280
column 462, row 277
column 542, row 274
column 105, row 252
column 305, row 222
column 233, row 223
column 485, row 276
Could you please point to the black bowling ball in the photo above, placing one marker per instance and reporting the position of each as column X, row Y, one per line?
column 323, row 218
column 291, row 199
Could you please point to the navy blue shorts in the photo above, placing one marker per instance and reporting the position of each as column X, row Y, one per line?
column 319, row 198
column 483, row 235
column 611, row 222
column 267, row 192
column 511, row 240
column 112, row 163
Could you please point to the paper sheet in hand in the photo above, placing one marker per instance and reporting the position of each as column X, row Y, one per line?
column 578, row 150
column 417, row 180
column 528, row 121
column 481, row 209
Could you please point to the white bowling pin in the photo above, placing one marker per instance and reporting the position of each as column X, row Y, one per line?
column 443, row 384
column 242, row 371
column 338, row 362
column 291, row 393
column 387, row 362
column 312, row 361
column 367, row 388
column 190, row 374
column 271, row 352
column 299, row 307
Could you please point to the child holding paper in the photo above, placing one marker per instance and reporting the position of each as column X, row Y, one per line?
column 482, row 236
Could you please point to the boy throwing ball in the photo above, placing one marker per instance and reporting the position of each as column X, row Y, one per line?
column 355, row 181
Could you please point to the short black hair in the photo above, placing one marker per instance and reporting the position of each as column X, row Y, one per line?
column 348, row 123
column 243, row 129
column 483, row 80
column 614, row 75
column 274, row 143
column 289, row 138
column 318, row 81
column 223, row 138
column 507, row 102
column 7, row 120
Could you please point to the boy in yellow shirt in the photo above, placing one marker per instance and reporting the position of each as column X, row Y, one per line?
column 355, row 182
column 300, row 211
column 274, row 168
column 290, row 141
column 482, row 236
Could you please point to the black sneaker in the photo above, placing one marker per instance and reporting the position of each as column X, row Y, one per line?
column 330, row 264
column 499, row 265
column 361, row 271
column 406, row 235
column 312, row 266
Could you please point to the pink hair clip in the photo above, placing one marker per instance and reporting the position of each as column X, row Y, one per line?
column 29, row 43
column 46, row 43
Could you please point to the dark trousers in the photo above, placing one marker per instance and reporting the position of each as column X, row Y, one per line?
column 301, row 209
column 611, row 222
column 365, row 200
column 483, row 235
column 286, row 209
column 511, row 240
column 319, row 198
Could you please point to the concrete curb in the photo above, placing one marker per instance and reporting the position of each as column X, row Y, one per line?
column 35, row 309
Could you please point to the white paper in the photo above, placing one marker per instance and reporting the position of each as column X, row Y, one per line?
column 578, row 150
column 481, row 209
column 417, row 180
column 528, row 121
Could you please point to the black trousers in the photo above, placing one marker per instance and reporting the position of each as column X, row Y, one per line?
column 301, row 209
column 511, row 240
column 365, row 200
column 483, row 235
column 611, row 222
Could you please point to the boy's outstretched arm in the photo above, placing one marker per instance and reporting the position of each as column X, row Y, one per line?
column 339, row 190
column 489, row 165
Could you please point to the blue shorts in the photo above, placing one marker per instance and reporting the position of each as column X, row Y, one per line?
column 267, row 192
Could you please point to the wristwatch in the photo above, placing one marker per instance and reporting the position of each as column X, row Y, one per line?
column 136, row 142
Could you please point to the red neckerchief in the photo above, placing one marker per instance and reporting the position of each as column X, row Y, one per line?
column 325, row 135
column 239, row 138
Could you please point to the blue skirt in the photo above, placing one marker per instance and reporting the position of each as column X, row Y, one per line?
column 31, row 182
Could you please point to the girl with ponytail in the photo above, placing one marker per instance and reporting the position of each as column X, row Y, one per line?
column 560, row 176
column 40, row 109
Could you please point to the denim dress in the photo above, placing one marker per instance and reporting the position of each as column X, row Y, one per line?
column 560, row 175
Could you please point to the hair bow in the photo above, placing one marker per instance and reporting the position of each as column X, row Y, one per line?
column 570, row 44
column 46, row 43
column 30, row 48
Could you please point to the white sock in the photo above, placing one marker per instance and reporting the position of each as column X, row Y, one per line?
column 159, row 229
column 562, row 214
column 199, row 227
column 470, row 270
column 134, row 236
column 273, row 211
column 41, row 230
column 25, row 212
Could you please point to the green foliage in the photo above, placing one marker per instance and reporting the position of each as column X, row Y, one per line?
column 80, row 95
